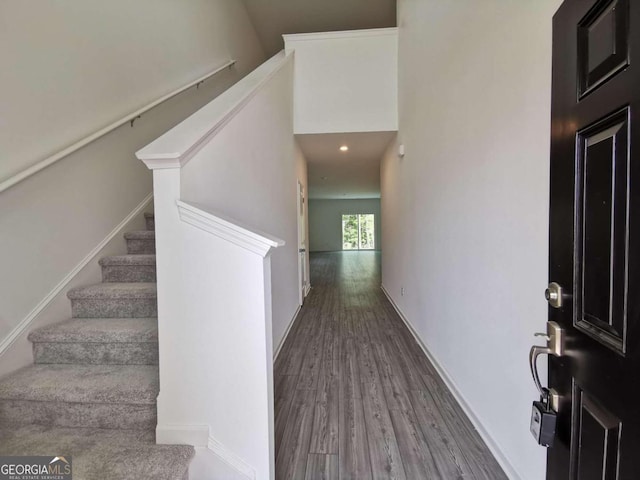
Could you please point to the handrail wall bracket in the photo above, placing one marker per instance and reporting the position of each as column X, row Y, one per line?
column 131, row 118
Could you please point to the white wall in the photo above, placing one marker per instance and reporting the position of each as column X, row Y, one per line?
column 345, row 81
column 465, row 211
column 72, row 67
column 325, row 221
column 233, row 159
column 248, row 172
column 69, row 69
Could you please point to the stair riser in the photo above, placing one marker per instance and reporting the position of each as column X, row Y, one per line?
column 137, row 246
column 129, row 273
column 96, row 353
column 151, row 224
column 114, row 308
column 14, row 413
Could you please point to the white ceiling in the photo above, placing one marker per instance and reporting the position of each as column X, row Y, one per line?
column 273, row 18
column 352, row 174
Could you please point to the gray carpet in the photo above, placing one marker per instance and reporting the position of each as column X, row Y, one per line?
column 91, row 392
column 142, row 241
column 99, row 454
column 114, row 300
column 129, row 268
column 98, row 341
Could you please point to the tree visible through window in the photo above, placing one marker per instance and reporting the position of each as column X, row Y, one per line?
column 358, row 232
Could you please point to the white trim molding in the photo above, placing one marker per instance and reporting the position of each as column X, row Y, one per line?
column 199, row 436
column 176, row 147
column 41, row 165
column 253, row 240
column 366, row 32
column 231, row 459
column 160, row 163
column 19, row 329
column 455, row 391
column 286, row 334
column 196, row 435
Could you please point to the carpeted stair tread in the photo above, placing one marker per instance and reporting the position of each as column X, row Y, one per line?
column 133, row 259
column 140, row 235
column 114, row 291
column 141, row 242
column 124, row 384
column 99, row 330
column 99, row 454
column 135, row 267
column 114, row 300
column 92, row 391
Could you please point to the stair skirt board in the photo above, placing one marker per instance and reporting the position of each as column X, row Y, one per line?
column 92, row 256
column 231, row 458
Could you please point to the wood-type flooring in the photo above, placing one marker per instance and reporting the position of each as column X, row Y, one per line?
column 355, row 396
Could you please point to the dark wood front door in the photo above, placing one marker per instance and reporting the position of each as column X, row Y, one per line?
column 595, row 238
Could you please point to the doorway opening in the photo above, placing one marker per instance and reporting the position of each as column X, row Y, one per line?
column 358, row 231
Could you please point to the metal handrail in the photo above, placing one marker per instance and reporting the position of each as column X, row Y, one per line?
column 41, row 165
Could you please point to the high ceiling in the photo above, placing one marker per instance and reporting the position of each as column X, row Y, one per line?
column 332, row 174
column 272, row 18
column 351, row 174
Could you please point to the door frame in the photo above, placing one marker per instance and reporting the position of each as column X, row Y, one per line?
column 304, row 284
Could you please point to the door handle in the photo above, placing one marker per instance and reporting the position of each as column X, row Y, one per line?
column 555, row 347
column 302, row 250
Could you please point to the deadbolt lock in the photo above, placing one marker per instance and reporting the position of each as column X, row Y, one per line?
column 553, row 294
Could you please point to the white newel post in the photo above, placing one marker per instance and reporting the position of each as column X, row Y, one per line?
column 214, row 330
column 166, row 187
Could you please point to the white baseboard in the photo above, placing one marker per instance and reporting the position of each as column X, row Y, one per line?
column 231, row 458
column 19, row 329
column 307, row 289
column 196, row 435
column 451, row 385
column 199, row 436
column 286, row 334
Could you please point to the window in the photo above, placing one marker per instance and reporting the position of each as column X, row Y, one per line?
column 358, row 232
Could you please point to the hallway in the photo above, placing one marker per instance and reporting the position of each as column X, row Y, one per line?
column 355, row 396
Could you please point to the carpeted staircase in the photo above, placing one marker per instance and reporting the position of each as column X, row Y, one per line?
column 91, row 393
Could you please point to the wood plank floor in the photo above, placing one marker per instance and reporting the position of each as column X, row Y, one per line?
column 355, row 396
